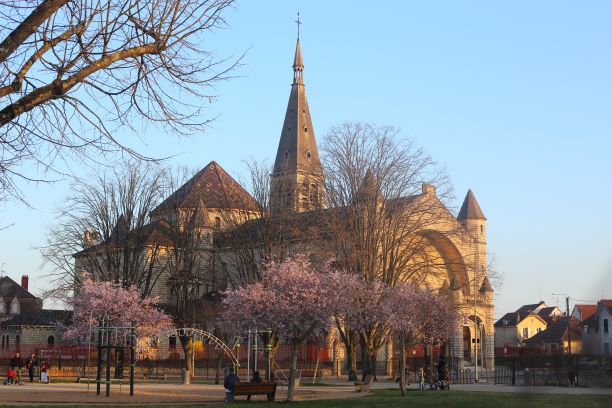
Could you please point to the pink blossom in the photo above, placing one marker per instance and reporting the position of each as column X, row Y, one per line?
column 95, row 301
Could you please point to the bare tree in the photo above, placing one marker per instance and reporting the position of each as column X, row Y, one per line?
column 385, row 198
column 103, row 229
column 189, row 241
column 253, row 238
column 74, row 71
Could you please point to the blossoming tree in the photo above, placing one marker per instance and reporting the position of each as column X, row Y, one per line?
column 94, row 301
column 417, row 315
column 295, row 299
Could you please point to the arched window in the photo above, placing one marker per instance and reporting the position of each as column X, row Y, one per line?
column 217, row 222
column 172, row 342
column 17, row 341
column 51, row 340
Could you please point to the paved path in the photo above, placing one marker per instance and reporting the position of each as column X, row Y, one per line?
column 74, row 393
column 385, row 384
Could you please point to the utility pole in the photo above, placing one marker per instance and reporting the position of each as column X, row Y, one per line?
column 569, row 330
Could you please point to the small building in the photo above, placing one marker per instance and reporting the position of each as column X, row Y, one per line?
column 24, row 325
column 514, row 328
column 596, row 329
column 557, row 337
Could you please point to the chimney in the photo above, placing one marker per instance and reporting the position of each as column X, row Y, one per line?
column 428, row 188
column 24, row 282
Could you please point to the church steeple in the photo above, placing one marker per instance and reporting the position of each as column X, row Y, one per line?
column 296, row 183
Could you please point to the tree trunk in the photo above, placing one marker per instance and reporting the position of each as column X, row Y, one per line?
column 402, row 367
column 219, row 365
column 365, row 361
column 352, row 358
column 373, row 358
column 292, row 372
column 188, row 348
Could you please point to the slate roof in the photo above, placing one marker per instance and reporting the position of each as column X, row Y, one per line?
column 470, row 210
column 515, row 317
column 9, row 289
column 556, row 332
column 214, row 188
column 44, row 317
column 158, row 232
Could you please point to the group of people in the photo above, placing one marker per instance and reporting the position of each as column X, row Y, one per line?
column 232, row 378
column 442, row 377
column 31, row 364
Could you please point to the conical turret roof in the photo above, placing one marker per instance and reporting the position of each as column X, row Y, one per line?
column 297, row 60
column 470, row 210
column 486, row 286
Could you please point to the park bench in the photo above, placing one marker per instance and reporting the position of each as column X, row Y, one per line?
column 267, row 388
column 365, row 385
column 68, row 372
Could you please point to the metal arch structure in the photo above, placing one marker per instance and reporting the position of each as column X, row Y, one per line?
column 204, row 336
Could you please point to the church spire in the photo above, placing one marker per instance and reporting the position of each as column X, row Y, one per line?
column 296, row 178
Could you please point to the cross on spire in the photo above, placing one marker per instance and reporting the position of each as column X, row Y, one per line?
column 299, row 23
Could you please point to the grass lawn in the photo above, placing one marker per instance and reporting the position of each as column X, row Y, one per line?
column 415, row 399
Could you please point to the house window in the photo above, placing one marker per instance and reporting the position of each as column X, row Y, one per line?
column 539, row 329
column 172, row 342
column 481, row 229
column 586, row 328
column 217, row 222
column 50, row 340
column 605, row 325
column 526, row 332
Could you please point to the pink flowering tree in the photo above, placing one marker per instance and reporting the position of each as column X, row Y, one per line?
column 417, row 315
column 95, row 301
column 294, row 298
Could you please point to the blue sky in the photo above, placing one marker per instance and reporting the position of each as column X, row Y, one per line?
column 514, row 98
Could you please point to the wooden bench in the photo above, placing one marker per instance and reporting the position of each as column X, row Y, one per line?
column 365, row 385
column 267, row 388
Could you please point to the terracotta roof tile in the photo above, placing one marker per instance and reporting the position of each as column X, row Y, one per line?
column 213, row 187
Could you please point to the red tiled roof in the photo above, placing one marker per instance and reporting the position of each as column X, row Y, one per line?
column 214, row 188
column 586, row 311
column 607, row 303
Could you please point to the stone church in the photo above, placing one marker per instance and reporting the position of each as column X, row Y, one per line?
column 295, row 187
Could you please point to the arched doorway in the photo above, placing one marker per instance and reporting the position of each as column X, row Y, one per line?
column 467, row 344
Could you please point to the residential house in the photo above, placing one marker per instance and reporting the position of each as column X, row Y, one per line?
column 516, row 327
column 557, row 336
column 596, row 329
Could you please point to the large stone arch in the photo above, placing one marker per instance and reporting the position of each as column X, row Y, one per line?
column 451, row 258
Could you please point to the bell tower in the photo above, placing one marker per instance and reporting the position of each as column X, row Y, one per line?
column 296, row 183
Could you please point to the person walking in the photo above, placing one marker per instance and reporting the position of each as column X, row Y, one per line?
column 230, row 379
column 31, row 364
column 16, row 365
